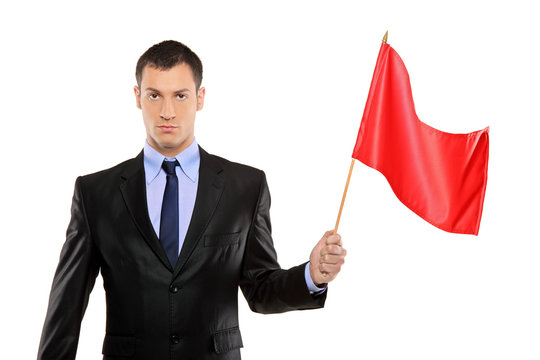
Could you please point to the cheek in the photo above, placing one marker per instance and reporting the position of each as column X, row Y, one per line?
column 148, row 119
column 149, row 112
column 186, row 110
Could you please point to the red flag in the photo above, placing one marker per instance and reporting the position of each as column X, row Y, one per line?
column 440, row 176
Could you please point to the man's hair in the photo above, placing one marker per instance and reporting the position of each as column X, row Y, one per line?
column 168, row 54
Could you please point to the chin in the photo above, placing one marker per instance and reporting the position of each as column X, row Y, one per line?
column 167, row 142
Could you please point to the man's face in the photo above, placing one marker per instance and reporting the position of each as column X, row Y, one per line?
column 169, row 101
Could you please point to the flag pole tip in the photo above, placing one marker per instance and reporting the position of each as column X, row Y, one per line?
column 385, row 38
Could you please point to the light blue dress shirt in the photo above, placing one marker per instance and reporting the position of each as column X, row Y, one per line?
column 188, row 180
column 156, row 179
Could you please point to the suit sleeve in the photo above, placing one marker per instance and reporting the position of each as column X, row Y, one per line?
column 73, row 281
column 266, row 287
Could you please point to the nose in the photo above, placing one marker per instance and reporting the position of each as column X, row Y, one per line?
column 167, row 110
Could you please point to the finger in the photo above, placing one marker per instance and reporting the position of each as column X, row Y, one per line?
column 334, row 239
column 333, row 259
column 332, row 250
column 329, row 269
column 327, row 277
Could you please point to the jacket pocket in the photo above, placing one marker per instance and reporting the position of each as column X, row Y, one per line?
column 221, row 239
column 227, row 340
column 122, row 346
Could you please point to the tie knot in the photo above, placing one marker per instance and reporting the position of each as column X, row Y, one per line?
column 169, row 166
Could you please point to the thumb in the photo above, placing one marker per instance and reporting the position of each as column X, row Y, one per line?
column 326, row 236
column 324, row 239
column 334, row 239
column 322, row 243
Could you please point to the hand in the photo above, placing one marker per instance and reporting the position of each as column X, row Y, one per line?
column 326, row 258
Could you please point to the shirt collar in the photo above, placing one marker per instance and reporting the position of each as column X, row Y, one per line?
column 189, row 160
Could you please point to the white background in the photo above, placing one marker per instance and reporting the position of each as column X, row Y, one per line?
column 286, row 86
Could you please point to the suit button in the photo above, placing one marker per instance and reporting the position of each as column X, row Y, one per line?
column 175, row 339
column 174, row 289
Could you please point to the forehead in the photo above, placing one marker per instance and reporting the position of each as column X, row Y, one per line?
column 179, row 76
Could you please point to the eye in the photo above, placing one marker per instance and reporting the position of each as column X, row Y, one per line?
column 153, row 96
column 181, row 96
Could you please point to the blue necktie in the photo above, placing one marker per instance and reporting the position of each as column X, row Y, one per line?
column 168, row 229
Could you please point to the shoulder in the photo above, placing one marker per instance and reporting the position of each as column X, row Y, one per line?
column 231, row 168
column 114, row 174
column 242, row 180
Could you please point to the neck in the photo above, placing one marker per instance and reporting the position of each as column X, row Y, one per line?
column 171, row 151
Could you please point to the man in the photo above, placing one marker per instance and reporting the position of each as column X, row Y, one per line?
column 174, row 232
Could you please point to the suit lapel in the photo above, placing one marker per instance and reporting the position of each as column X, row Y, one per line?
column 133, row 190
column 209, row 190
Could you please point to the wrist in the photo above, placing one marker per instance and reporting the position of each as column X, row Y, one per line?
column 317, row 282
column 313, row 285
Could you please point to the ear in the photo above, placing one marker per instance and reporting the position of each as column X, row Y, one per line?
column 200, row 98
column 137, row 96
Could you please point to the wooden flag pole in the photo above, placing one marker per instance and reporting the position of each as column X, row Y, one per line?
column 344, row 196
column 384, row 40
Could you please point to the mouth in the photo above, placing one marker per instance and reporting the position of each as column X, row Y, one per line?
column 166, row 128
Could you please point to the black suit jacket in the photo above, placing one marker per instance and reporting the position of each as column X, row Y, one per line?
column 155, row 311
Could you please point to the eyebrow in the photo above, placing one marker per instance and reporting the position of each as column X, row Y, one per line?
column 156, row 90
